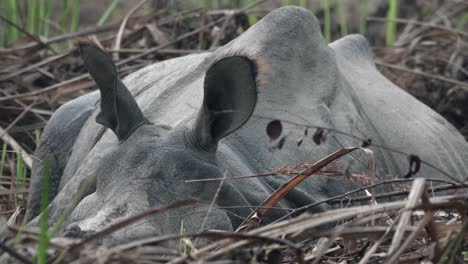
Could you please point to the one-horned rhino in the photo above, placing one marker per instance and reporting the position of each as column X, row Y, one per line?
column 204, row 116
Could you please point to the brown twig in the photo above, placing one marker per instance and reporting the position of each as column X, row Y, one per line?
column 462, row 85
column 258, row 213
column 419, row 23
column 417, row 190
column 34, row 66
column 14, row 253
column 16, row 147
column 39, row 41
column 118, row 39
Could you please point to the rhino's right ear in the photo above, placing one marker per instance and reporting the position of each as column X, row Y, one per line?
column 230, row 95
column 119, row 110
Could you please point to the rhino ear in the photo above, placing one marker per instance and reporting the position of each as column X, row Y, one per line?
column 230, row 95
column 119, row 110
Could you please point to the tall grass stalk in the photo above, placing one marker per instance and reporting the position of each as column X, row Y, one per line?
column 70, row 15
column 392, row 13
column 12, row 33
column 303, row 3
column 463, row 21
column 108, row 11
column 44, row 217
column 147, row 9
column 37, row 136
column 64, row 15
column 2, row 160
column 31, row 19
column 452, row 248
column 206, row 3
column 182, row 244
column 342, row 17
column 251, row 17
column 41, row 16
column 362, row 16
column 327, row 19
column 45, row 12
column 20, row 170
column 75, row 17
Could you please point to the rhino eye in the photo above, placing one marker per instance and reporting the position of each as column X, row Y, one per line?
column 137, row 159
column 164, row 127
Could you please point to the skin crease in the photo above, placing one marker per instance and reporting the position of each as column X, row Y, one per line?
column 204, row 116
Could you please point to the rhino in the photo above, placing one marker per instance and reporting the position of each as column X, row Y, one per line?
column 204, row 116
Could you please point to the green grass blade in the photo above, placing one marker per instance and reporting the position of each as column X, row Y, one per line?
column 75, row 8
column 462, row 22
column 392, row 13
column 452, row 248
column 182, row 245
column 64, row 15
column 107, row 13
column 303, row 3
column 47, row 16
column 251, row 17
column 31, row 19
column 342, row 17
column 147, row 9
column 206, row 4
column 327, row 19
column 19, row 170
column 37, row 136
column 2, row 160
column 40, row 17
column 12, row 33
column 44, row 221
column 362, row 16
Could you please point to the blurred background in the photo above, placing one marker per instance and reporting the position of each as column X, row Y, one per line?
column 52, row 17
column 421, row 45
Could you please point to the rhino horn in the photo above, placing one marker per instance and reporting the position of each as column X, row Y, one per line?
column 230, row 95
column 119, row 110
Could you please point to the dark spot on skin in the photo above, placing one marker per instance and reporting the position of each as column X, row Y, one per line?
column 274, row 129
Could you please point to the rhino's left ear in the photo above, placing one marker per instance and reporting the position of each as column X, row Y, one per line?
column 119, row 110
column 230, row 95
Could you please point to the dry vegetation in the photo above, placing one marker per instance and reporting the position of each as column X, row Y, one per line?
column 429, row 60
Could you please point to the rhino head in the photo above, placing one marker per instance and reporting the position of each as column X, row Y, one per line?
column 149, row 165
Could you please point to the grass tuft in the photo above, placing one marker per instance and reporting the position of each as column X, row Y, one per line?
column 107, row 13
column 32, row 16
column 20, row 171
column 12, row 33
column 327, row 19
column 342, row 17
column 251, row 17
column 392, row 13
column 75, row 10
column 462, row 22
column 2, row 160
column 44, row 221
column 362, row 16
column 453, row 246
column 182, row 244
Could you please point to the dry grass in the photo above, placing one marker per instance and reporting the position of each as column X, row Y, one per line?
column 420, row 228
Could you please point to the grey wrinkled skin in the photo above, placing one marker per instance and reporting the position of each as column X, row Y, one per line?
column 195, row 125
